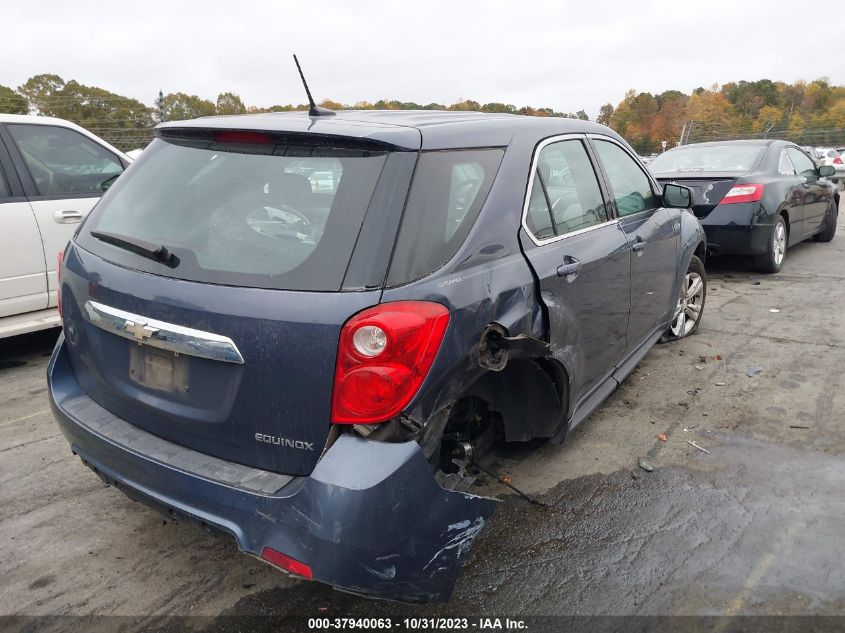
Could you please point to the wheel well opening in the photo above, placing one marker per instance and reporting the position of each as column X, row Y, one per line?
column 785, row 215
column 701, row 251
column 527, row 399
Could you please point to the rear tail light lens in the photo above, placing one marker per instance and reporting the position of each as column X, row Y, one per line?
column 743, row 193
column 59, row 258
column 287, row 563
column 384, row 355
column 838, row 160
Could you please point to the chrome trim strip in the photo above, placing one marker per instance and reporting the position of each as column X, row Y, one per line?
column 174, row 338
column 556, row 238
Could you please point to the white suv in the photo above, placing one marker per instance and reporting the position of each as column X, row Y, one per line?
column 52, row 172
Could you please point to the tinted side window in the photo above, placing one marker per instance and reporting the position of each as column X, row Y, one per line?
column 803, row 165
column 63, row 161
column 565, row 194
column 447, row 193
column 631, row 187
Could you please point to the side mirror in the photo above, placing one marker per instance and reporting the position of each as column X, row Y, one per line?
column 825, row 171
column 677, row 197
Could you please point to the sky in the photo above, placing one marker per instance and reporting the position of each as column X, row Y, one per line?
column 563, row 55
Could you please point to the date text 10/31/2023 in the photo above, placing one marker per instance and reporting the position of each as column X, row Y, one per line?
column 414, row 624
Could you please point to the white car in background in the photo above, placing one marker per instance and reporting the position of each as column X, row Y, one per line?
column 52, row 172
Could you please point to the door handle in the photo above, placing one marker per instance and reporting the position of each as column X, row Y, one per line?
column 569, row 268
column 67, row 217
column 639, row 246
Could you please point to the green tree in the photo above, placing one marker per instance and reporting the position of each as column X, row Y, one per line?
column 179, row 106
column 229, row 103
column 44, row 93
column 11, row 102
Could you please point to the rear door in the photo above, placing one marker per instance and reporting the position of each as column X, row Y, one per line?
column 581, row 258
column 227, row 345
column 23, row 279
column 64, row 174
column 816, row 194
column 653, row 235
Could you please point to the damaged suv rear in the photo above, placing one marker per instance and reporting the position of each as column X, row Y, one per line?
column 298, row 330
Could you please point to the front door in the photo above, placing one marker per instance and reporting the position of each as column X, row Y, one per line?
column 67, row 174
column 23, row 279
column 816, row 195
column 582, row 261
column 653, row 235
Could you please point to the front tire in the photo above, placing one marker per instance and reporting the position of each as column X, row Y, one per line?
column 830, row 219
column 690, row 306
column 772, row 260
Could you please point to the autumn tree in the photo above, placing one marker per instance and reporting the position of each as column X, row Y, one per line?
column 605, row 114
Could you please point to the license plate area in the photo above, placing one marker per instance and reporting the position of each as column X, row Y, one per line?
column 158, row 369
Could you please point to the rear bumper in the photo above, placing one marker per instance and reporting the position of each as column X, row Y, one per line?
column 370, row 519
column 736, row 229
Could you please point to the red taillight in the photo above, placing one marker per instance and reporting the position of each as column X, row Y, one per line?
column 242, row 137
column 743, row 193
column 838, row 160
column 59, row 259
column 383, row 357
column 287, row 563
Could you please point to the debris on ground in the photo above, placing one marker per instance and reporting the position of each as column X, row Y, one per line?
column 721, row 384
column 703, row 450
column 662, row 437
column 798, row 426
column 642, row 463
column 692, row 425
column 753, row 371
column 693, row 392
column 684, row 404
column 718, row 357
column 705, row 414
column 755, row 283
column 699, row 367
column 702, row 359
column 774, row 310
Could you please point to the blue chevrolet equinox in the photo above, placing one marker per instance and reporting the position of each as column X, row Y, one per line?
column 301, row 330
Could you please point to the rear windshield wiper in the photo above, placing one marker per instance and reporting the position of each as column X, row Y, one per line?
column 139, row 247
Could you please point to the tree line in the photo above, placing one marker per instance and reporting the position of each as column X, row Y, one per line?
column 810, row 113
column 128, row 123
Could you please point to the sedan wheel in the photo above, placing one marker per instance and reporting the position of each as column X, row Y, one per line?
column 772, row 260
column 690, row 305
column 779, row 245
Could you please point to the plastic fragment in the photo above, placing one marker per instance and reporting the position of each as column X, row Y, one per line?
column 721, row 384
column 753, row 371
column 642, row 463
column 662, row 437
column 703, row 450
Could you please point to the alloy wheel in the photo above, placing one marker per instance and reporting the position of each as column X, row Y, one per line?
column 690, row 302
column 779, row 243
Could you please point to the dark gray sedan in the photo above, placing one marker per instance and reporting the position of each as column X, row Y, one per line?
column 754, row 197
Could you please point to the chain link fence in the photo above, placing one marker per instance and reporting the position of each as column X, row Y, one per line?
column 698, row 132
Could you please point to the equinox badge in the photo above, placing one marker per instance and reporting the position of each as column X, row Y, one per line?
column 282, row 441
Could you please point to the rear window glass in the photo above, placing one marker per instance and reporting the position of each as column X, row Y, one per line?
column 256, row 214
column 447, row 193
column 707, row 158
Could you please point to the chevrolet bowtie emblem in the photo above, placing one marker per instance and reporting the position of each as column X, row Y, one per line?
column 140, row 331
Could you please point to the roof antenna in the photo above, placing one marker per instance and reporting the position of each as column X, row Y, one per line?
column 314, row 109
